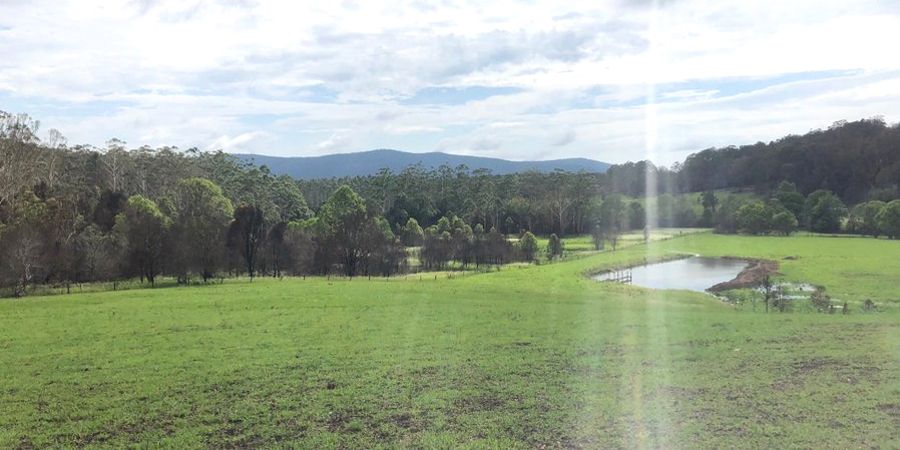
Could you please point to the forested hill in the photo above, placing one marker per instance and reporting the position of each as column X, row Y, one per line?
column 370, row 162
column 856, row 160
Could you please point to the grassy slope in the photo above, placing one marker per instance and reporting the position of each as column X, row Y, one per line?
column 525, row 356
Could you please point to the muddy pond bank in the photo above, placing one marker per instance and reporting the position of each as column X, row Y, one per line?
column 752, row 276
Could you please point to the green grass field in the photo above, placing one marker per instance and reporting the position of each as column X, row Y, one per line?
column 536, row 356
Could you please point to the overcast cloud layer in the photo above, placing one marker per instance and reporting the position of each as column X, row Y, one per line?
column 608, row 80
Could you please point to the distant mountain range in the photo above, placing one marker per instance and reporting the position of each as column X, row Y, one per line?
column 370, row 162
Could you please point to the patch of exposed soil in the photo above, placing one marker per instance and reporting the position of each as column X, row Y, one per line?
column 478, row 403
column 814, row 365
column 404, row 421
column 891, row 409
column 752, row 276
column 24, row 443
column 337, row 420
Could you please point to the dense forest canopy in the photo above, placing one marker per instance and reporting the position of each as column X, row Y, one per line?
column 80, row 213
column 856, row 160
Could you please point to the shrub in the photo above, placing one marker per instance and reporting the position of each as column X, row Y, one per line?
column 888, row 219
column 780, row 301
column 754, row 218
column 554, row 247
column 528, row 247
column 820, row 301
column 869, row 306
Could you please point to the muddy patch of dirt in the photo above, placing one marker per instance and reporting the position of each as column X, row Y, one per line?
column 478, row 403
column 338, row 420
column 814, row 365
column 752, row 276
column 24, row 443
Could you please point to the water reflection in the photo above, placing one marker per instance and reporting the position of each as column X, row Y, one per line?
column 695, row 273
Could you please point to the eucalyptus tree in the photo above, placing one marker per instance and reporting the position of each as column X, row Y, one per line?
column 613, row 218
column 18, row 155
column 200, row 221
column 412, row 234
column 246, row 235
column 145, row 229
column 343, row 221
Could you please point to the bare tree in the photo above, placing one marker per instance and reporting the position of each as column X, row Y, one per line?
column 22, row 256
column 96, row 251
column 560, row 200
column 114, row 164
column 18, row 154
column 54, row 142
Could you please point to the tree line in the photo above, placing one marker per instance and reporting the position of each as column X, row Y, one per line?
column 71, row 214
column 192, row 232
column 82, row 214
column 786, row 210
column 856, row 161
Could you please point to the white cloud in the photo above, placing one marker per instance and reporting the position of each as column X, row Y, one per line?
column 334, row 143
column 316, row 77
column 237, row 143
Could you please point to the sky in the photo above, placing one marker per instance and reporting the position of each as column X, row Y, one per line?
column 611, row 80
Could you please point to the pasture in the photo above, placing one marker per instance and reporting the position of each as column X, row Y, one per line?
column 527, row 356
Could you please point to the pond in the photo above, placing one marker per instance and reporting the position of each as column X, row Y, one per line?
column 694, row 273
